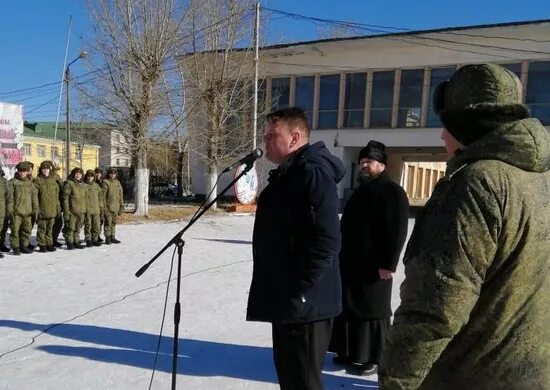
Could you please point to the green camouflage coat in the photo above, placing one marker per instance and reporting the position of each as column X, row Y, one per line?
column 94, row 196
column 74, row 197
column 22, row 197
column 48, row 196
column 112, row 192
column 475, row 301
column 3, row 197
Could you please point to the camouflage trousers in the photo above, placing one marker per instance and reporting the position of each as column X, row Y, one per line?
column 92, row 226
column 71, row 230
column 109, row 227
column 4, row 230
column 20, row 230
column 44, row 231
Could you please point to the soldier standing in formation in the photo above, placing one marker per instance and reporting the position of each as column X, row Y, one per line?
column 4, row 220
column 99, row 179
column 49, row 207
column 114, row 206
column 74, row 208
column 22, row 205
column 94, row 203
column 58, row 223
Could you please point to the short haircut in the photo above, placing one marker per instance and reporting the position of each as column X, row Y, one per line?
column 293, row 117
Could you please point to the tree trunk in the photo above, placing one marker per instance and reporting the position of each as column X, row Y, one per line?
column 181, row 158
column 212, row 178
column 141, row 185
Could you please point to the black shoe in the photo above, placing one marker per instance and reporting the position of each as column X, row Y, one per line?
column 341, row 360
column 57, row 244
column 78, row 246
column 26, row 250
column 96, row 243
column 114, row 240
column 16, row 251
column 99, row 239
column 70, row 246
column 51, row 248
column 366, row 369
column 89, row 243
column 4, row 248
column 43, row 249
column 107, row 240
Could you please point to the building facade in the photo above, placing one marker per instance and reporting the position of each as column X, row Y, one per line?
column 380, row 87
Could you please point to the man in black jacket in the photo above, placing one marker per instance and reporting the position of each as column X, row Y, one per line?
column 374, row 229
column 296, row 278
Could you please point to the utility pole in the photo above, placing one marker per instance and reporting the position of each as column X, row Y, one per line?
column 256, row 64
column 82, row 54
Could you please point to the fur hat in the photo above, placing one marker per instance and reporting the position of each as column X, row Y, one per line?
column 111, row 170
column 77, row 170
column 374, row 150
column 46, row 165
column 98, row 170
column 476, row 98
column 23, row 166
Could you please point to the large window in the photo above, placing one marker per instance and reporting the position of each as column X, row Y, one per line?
column 354, row 103
column 329, row 96
column 27, row 149
column 304, row 95
column 280, row 93
column 538, row 91
column 410, row 98
column 438, row 75
column 382, row 99
column 41, row 150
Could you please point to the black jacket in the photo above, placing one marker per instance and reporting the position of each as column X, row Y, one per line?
column 296, row 240
column 374, row 229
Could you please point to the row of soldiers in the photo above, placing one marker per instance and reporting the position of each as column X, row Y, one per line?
column 83, row 200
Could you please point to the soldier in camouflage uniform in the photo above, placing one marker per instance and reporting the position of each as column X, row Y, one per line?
column 49, row 207
column 22, row 206
column 58, row 223
column 114, row 206
column 94, row 208
column 74, row 208
column 474, row 304
column 98, row 173
column 3, row 205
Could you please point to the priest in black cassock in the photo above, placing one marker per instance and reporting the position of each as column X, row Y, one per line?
column 374, row 229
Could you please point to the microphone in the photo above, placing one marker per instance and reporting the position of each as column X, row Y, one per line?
column 248, row 159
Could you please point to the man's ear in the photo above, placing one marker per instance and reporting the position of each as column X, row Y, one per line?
column 296, row 137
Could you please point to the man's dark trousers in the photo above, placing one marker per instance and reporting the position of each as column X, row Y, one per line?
column 298, row 352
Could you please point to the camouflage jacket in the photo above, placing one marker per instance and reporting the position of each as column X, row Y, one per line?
column 22, row 197
column 474, row 304
column 48, row 196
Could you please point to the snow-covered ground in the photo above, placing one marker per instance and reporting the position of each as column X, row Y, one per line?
column 81, row 320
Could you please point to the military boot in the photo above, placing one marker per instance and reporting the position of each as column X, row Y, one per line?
column 43, row 249
column 107, row 240
column 4, row 248
column 70, row 246
column 96, row 243
column 51, row 248
column 89, row 243
column 57, row 244
column 78, row 246
column 26, row 250
column 114, row 240
column 16, row 251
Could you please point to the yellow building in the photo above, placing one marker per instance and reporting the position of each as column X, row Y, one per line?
column 41, row 142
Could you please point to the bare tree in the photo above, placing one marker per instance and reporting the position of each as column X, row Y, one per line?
column 135, row 44
column 218, row 70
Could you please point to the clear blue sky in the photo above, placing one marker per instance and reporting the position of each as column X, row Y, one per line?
column 34, row 33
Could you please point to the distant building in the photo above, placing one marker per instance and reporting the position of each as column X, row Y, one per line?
column 92, row 145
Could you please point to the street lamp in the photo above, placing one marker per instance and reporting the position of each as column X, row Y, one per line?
column 83, row 54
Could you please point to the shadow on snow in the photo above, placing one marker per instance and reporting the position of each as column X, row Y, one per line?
column 195, row 358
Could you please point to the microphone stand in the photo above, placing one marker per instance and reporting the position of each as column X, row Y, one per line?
column 178, row 241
